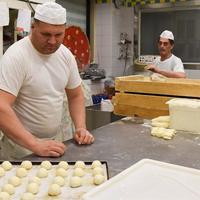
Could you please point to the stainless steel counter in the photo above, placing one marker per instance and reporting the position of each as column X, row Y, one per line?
column 122, row 144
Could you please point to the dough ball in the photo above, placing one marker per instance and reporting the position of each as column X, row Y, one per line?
column 33, row 188
column 97, row 170
column 96, row 163
column 63, row 164
column 42, row 173
column 61, row 172
column 59, row 180
column 27, row 196
column 6, row 165
column 4, row 196
column 80, row 164
column 98, row 179
column 79, row 172
column 46, row 164
column 26, row 164
column 54, row 190
column 9, row 189
column 21, row 172
column 15, row 181
column 2, row 171
column 35, row 179
column 75, row 181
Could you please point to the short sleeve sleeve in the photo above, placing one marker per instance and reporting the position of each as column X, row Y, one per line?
column 12, row 73
column 74, row 77
column 178, row 67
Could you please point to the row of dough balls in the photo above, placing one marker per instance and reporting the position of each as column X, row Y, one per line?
column 26, row 164
column 6, row 165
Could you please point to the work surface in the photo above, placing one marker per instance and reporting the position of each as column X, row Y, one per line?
column 122, row 144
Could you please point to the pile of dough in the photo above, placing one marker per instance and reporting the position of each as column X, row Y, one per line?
column 75, row 181
column 98, row 179
column 163, row 132
column 61, row 172
column 33, row 188
column 59, row 180
column 46, row 164
column 6, row 165
column 42, row 173
column 96, row 163
column 161, row 121
column 79, row 172
column 21, row 172
column 26, row 164
column 54, row 190
column 15, row 181
column 158, row 77
column 97, row 170
column 4, row 196
column 2, row 171
column 80, row 164
column 63, row 164
column 27, row 196
column 8, row 188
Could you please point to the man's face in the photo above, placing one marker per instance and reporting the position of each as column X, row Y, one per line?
column 47, row 38
column 164, row 47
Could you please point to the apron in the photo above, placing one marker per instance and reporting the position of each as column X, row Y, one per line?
column 10, row 150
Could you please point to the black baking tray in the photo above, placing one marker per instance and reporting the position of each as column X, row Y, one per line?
column 56, row 162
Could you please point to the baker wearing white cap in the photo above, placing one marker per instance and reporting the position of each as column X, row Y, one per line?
column 35, row 73
column 167, row 64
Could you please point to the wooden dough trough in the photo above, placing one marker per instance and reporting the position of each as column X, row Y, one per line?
column 139, row 95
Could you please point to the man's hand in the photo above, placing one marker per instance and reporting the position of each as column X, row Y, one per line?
column 48, row 148
column 152, row 68
column 83, row 136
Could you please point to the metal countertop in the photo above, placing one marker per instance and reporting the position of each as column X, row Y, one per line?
column 122, row 144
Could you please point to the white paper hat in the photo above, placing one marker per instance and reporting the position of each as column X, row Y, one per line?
column 167, row 34
column 51, row 13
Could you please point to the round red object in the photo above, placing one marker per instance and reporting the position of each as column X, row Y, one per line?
column 77, row 42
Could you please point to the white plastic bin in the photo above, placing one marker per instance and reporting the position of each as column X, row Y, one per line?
column 185, row 114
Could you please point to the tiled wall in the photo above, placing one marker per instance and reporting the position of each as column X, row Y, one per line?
column 109, row 23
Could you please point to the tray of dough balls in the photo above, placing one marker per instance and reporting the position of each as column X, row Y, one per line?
column 47, row 180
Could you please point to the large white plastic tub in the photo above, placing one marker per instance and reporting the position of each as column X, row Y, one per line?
column 185, row 114
column 150, row 180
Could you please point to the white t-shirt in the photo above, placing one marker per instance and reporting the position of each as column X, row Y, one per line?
column 38, row 81
column 173, row 63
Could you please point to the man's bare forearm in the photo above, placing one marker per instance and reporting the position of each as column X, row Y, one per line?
column 13, row 128
column 77, row 107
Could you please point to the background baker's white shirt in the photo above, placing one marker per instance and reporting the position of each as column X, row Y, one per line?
column 173, row 63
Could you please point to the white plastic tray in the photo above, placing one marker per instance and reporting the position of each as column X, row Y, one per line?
column 150, row 180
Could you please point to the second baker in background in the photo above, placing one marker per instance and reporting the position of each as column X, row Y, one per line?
column 167, row 64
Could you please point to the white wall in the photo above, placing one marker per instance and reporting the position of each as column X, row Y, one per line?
column 109, row 23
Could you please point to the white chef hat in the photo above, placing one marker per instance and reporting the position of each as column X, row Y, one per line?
column 51, row 13
column 167, row 34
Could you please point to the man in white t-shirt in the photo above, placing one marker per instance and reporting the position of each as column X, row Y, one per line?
column 35, row 73
column 167, row 64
